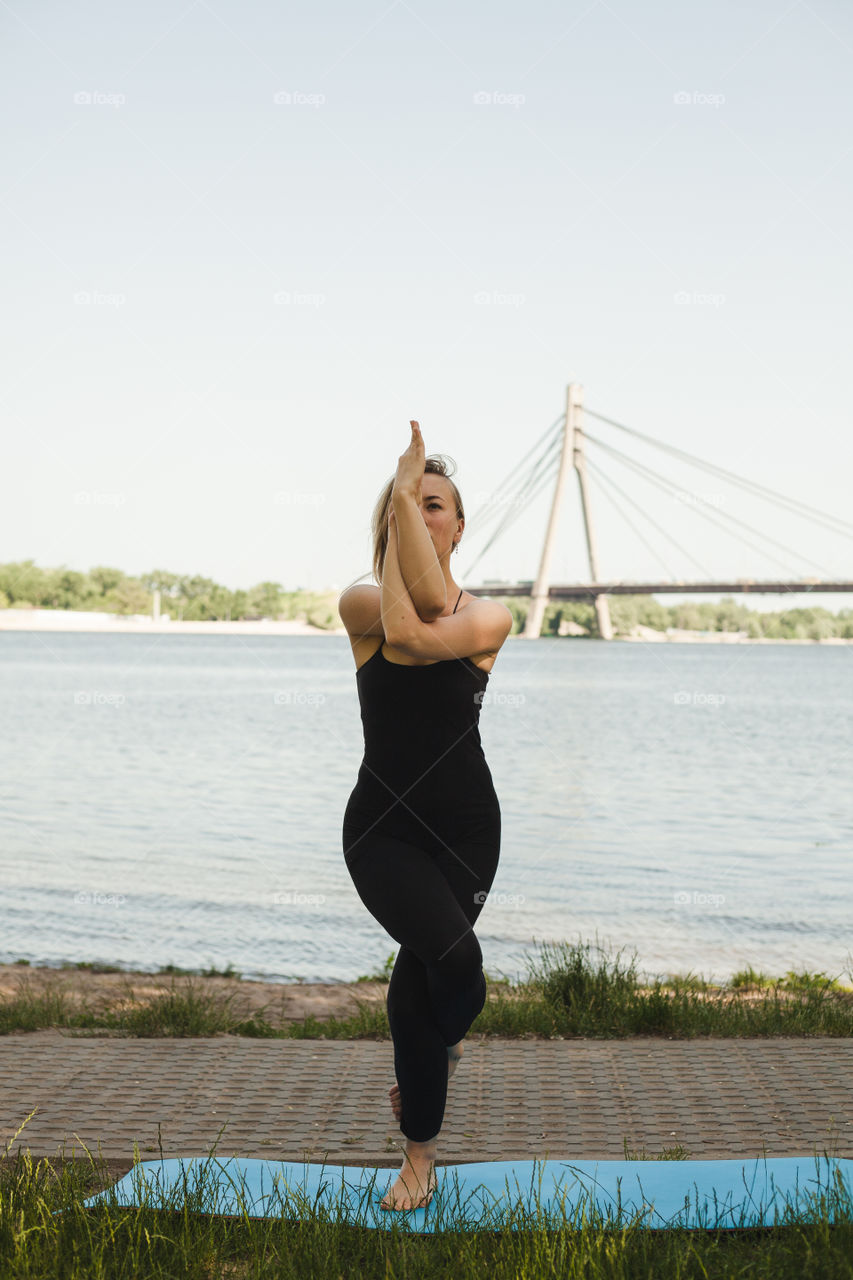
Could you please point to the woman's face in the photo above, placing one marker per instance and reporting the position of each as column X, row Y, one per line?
column 439, row 511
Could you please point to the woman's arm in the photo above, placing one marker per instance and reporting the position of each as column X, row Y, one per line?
column 481, row 628
column 416, row 557
column 399, row 614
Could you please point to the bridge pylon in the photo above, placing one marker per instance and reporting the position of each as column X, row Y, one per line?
column 572, row 454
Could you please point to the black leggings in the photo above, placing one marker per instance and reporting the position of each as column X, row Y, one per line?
column 427, row 900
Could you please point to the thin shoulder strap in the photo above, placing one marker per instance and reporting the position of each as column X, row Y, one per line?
column 458, row 598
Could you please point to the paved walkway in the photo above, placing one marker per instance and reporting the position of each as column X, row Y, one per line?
column 509, row 1099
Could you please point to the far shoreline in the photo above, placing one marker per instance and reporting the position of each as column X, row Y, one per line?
column 100, row 987
column 70, row 621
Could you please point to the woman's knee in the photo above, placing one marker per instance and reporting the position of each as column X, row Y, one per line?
column 461, row 961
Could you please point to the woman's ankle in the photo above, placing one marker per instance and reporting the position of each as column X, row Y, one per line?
column 421, row 1150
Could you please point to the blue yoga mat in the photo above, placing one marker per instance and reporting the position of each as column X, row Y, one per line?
column 495, row 1195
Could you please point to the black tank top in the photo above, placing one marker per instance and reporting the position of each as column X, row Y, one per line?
column 423, row 776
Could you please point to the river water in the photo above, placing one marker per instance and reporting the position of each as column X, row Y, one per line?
column 178, row 799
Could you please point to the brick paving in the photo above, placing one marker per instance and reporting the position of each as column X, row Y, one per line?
column 327, row 1100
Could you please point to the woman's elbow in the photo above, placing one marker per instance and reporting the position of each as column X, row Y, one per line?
column 429, row 613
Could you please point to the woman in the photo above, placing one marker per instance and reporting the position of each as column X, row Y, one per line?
column 422, row 827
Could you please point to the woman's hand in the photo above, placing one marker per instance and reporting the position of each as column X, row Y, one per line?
column 410, row 466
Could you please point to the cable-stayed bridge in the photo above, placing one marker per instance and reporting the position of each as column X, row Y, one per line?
column 563, row 447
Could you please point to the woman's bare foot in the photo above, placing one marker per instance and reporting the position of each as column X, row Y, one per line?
column 416, row 1180
column 454, row 1053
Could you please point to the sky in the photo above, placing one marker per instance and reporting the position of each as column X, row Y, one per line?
column 244, row 244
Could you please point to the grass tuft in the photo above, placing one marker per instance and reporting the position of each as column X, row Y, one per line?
column 46, row 1231
column 572, row 989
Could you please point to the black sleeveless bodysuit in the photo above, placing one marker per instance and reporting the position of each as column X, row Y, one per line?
column 423, row 777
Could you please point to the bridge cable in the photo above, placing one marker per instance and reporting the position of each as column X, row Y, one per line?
column 660, row 481
column 603, row 476
column 545, row 458
column 546, row 480
column 516, row 511
column 493, row 509
column 742, row 480
column 519, row 501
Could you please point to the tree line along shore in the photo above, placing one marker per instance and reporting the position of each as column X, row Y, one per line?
column 193, row 598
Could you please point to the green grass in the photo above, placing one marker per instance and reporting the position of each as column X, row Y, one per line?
column 572, row 989
column 678, row 1152
column 46, row 1231
column 751, row 978
column 581, row 989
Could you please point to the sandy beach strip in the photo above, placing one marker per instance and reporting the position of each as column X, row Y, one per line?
column 57, row 620
column 140, row 624
column 283, row 1002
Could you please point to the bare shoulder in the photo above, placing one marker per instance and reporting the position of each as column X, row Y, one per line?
column 476, row 630
column 490, row 609
column 360, row 610
column 360, row 590
column 496, row 616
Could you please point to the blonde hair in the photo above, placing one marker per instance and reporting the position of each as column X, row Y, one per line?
column 435, row 464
